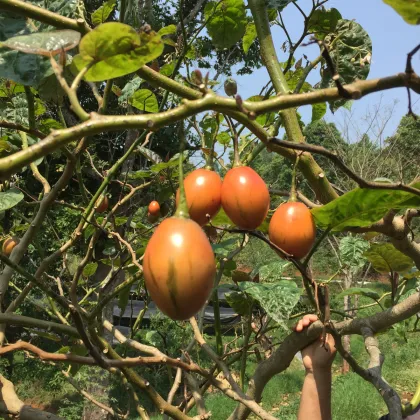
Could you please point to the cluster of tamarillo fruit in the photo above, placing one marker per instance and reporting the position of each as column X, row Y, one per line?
column 179, row 266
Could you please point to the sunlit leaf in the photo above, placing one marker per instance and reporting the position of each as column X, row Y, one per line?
column 226, row 21
column 318, row 111
column 323, row 22
column 90, row 269
column 249, row 37
column 10, row 198
column 145, row 100
column 114, row 49
column 359, row 291
column 409, row 10
column 101, row 15
column 386, row 258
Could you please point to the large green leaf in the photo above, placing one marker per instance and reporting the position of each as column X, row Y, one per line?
column 114, row 49
column 323, row 22
column 409, row 10
column 249, row 37
column 145, row 100
column 351, row 249
column 277, row 299
column 359, row 291
column 273, row 272
column 385, row 258
column 10, row 198
column 226, row 21
column 222, row 249
column 318, row 111
column 362, row 207
column 44, row 43
column 101, row 15
column 239, row 302
column 351, row 54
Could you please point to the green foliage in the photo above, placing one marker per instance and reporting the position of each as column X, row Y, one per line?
column 273, row 272
column 226, row 22
column 114, row 49
column 361, row 207
column 409, row 10
column 249, row 37
column 277, row 299
column 385, row 258
column 359, row 291
column 324, row 22
column 351, row 251
column 101, row 14
column 351, row 53
column 10, row 198
column 145, row 100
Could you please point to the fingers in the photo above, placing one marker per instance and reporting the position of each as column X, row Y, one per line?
column 305, row 322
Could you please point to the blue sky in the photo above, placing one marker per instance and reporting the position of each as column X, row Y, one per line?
column 391, row 38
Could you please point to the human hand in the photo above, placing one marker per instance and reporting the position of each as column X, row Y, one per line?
column 316, row 357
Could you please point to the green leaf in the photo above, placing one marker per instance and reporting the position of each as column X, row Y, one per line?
column 323, row 22
column 101, row 15
column 149, row 154
column 123, row 298
column 145, row 100
column 263, row 119
column 167, row 69
column 167, row 30
column 142, row 174
column 44, row 43
column 224, row 138
column 173, row 162
column 10, row 198
column 277, row 299
column 361, row 207
column 90, row 269
column 228, row 267
column 385, row 258
column 351, row 249
column 359, row 291
column 318, row 111
column 351, row 54
column 273, row 272
column 222, row 249
column 226, row 22
column 114, row 49
column 278, row 4
column 409, row 10
column 249, row 37
column 239, row 302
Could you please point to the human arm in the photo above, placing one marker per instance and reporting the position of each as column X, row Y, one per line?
column 315, row 403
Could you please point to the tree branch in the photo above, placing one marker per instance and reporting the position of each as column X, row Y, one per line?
column 19, row 127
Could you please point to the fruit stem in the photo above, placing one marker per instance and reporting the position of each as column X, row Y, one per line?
column 236, row 160
column 293, row 193
column 182, row 209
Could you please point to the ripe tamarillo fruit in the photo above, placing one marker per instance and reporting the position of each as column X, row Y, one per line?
column 154, row 208
column 8, row 245
column 245, row 197
column 179, row 267
column 203, row 189
column 292, row 229
column 102, row 204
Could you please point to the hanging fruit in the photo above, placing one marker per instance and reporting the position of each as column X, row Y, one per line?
column 245, row 197
column 179, row 267
column 8, row 245
column 292, row 229
column 203, row 188
column 102, row 204
column 154, row 208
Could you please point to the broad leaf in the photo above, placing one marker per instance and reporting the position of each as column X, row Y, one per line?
column 351, row 251
column 385, row 258
column 318, row 111
column 277, row 299
column 362, row 207
column 90, row 269
column 278, row 4
column 263, row 119
column 323, row 22
column 167, row 30
column 172, row 163
column 351, row 54
column 128, row 90
column 101, row 15
column 359, row 291
column 167, row 69
column 10, row 198
column 114, row 49
column 145, row 100
column 44, row 43
column 224, row 138
column 222, row 249
column 409, row 10
column 226, row 21
column 142, row 174
column 239, row 302
column 249, row 37
column 273, row 272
